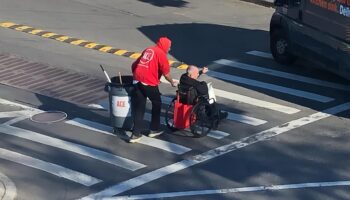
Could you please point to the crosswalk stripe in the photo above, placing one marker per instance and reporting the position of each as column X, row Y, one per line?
column 252, row 101
column 271, row 72
column 153, row 142
column 260, row 54
column 48, row 167
column 272, row 87
column 213, row 134
column 256, row 102
column 72, row 147
column 231, row 116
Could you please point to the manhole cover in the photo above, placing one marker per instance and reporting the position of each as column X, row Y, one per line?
column 49, row 117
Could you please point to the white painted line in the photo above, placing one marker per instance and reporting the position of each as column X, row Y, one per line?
column 164, row 145
column 245, row 119
column 231, row 116
column 153, row 142
column 256, row 102
column 48, row 167
column 260, row 54
column 213, row 134
column 251, row 101
column 194, row 160
column 72, row 147
column 94, row 126
column 232, row 190
column 10, row 190
column 217, row 134
column 271, row 72
column 272, row 87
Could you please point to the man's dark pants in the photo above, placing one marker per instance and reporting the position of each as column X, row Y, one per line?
column 139, row 105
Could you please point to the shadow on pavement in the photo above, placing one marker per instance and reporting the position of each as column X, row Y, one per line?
column 166, row 3
column 201, row 44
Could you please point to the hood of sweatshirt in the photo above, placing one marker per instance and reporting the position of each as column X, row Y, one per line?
column 164, row 43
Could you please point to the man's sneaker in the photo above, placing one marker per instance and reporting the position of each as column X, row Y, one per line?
column 223, row 115
column 155, row 133
column 135, row 138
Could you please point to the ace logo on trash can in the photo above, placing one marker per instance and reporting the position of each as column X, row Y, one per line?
column 121, row 106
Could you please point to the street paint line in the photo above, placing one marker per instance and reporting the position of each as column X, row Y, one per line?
column 245, row 119
column 72, row 147
column 260, row 54
column 214, row 153
column 81, row 42
column 232, row 190
column 167, row 100
column 251, row 101
column 271, row 72
column 94, row 126
column 213, row 133
column 153, row 142
column 10, row 103
column 48, row 167
column 10, row 190
column 269, row 86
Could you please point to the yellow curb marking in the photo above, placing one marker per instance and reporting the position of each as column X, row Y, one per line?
column 63, row 38
column 77, row 42
column 135, row 55
column 105, row 49
column 120, row 52
column 36, row 31
column 21, row 28
column 47, row 35
column 90, row 45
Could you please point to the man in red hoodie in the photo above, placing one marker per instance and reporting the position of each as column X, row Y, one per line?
column 147, row 71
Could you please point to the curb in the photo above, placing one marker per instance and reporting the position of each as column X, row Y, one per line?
column 81, row 42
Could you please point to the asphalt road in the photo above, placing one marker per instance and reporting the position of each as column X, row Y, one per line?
column 286, row 136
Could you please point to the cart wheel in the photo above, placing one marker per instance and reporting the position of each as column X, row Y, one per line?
column 169, row 116
column 200, row 119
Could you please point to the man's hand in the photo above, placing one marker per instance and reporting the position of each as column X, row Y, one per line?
column 205, row 70
column 174, row 83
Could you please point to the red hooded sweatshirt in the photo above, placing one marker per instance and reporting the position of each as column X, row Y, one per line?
column 153, row 63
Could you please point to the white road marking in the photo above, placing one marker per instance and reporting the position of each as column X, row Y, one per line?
column 213, row 134
column 252, row 101
column 10, row 190
column 271, row 72
column 48, row 167
column 153, row 142
column 232, row 190
column 245, row 119
column 231, row 116
column 194, row 160
column 260, row 54
column 272, row 87
column 72, row 147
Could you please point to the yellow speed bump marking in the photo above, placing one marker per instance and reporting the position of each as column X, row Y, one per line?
column 91, row 45
column 7, row 24
column 120, row 52
column 47, row 35
column 183, row 66
column 77, row 42
column 87, row 44
column 105, row 49
column 21, row 28
column 62, row 38
column 36, row 31
column 135, row 55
